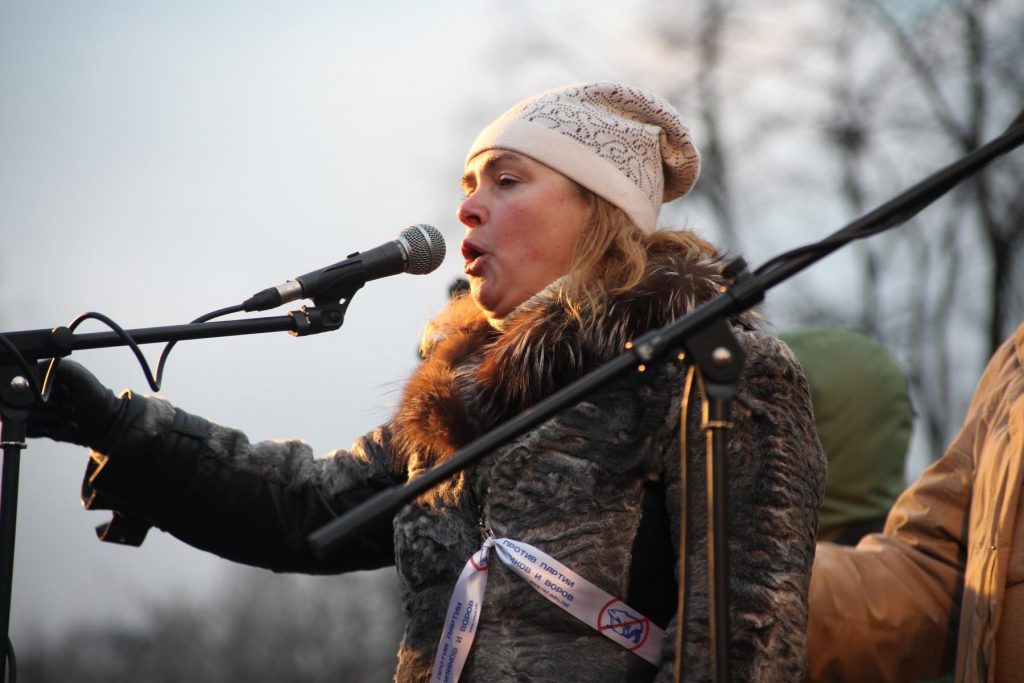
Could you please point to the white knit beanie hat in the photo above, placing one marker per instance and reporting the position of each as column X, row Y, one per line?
column 620, row 142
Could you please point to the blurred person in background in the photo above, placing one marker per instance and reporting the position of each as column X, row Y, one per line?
column 864, row 417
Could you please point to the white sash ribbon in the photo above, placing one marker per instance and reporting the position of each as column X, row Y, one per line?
column 556, row 582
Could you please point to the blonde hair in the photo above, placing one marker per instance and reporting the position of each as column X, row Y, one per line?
column 611, row 254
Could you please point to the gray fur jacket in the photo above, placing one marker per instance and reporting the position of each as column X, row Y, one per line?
column 597, row 487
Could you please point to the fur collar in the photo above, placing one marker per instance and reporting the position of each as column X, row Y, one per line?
column 474, row 376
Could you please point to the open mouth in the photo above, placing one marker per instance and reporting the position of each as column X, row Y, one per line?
column 473, row 256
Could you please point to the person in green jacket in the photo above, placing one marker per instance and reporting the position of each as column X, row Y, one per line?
column 864, row 419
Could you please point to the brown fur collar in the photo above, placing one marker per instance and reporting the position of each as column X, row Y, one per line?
column 475, row 377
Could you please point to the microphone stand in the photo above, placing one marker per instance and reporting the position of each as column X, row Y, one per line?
column 19, row 376
column 704, row 333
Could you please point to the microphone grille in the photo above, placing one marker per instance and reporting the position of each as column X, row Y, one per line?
column 426, row 248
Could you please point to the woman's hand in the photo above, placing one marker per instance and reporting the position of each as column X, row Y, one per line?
column 80, row 410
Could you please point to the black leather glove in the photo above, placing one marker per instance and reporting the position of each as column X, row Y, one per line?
column 81, row 409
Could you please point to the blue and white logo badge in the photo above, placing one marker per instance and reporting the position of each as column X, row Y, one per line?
column 619, row 619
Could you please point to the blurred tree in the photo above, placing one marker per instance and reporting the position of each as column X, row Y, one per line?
column 707, row 93
column 943, row 80
column 261, row 627
column 965, row 63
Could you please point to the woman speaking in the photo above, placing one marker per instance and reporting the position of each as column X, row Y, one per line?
column 556, row 556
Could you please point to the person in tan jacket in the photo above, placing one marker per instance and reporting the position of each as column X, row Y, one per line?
column 942, row 588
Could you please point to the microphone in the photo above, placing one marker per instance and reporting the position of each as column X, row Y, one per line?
column 419, row 249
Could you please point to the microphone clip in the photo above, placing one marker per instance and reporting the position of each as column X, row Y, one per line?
column 325, row 317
